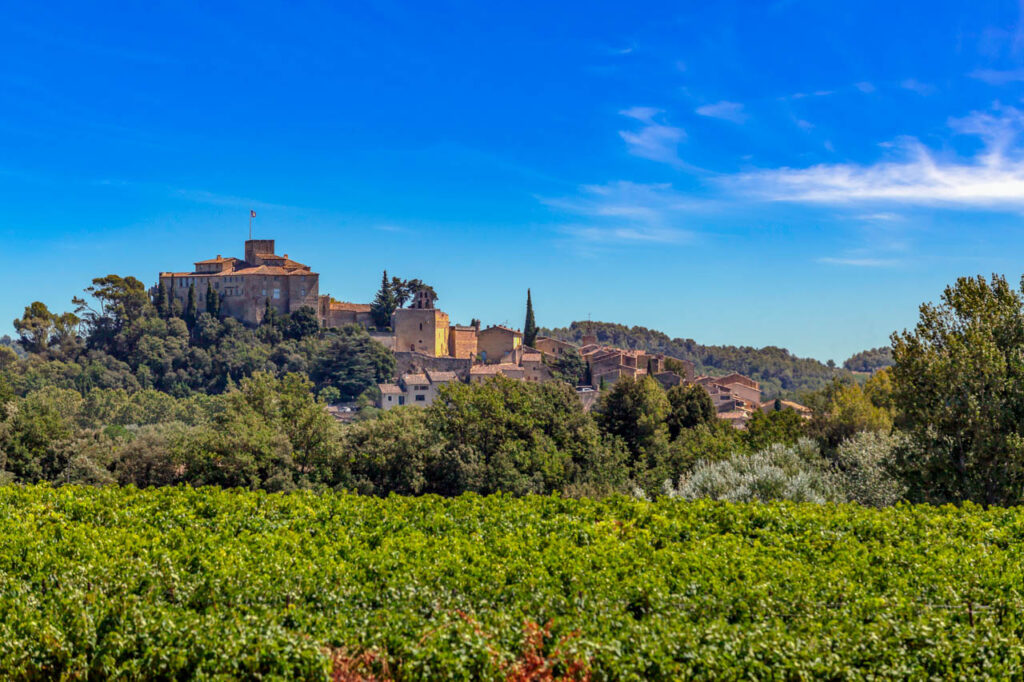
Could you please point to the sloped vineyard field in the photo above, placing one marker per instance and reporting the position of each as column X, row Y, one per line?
column 181, row 583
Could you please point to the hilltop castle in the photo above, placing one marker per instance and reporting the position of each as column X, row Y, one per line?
column 245, row 285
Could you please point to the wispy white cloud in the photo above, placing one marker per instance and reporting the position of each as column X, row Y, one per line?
column 880, row 217
column 994, row 177
column 862, row 262
column 627, row 212
column 727, row 111
column 917, row 86
column 865, row 87
column 996, row 77
column 654, row 140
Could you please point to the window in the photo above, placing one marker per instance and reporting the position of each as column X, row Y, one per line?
column 421, row 398
column 389, row 399
column 264, row 292
column 277, row 293
column 421, row 326
column 302, row 292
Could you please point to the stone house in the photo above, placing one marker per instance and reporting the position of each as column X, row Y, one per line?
column 552, row 348
column 745, row 390
column 414, row 389
column 534, row 367
column 462, row 341
column 478, row 374
column 340, row 313
column 498, row 344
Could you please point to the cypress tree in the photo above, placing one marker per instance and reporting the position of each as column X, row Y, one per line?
column 588, row 376
column 530, row 326
column 211, row 299
column 191, row 309
column 161, row 304
column 269, row 314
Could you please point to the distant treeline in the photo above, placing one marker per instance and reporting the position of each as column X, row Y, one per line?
column 870, row 360
column 780, row 372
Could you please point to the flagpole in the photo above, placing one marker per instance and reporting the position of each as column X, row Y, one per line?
column 250, row 225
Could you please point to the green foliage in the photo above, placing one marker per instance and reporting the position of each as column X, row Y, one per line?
column 506, row 435
column 35, row 328
column 570, row 368
column 191, row 307
column 271, row 433
column 846, row 410
column 405, row 291
column 303, row 322
column 352, row 362
column 530, row 325
column 119, row 583
column 212, row 301
column 870, row 360
column 689, row 406
column 635, row 410
column 779, row 426
column 958, row 384
column 778, row 370
column 385, row 303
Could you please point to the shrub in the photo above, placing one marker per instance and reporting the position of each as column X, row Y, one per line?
column 796, row 473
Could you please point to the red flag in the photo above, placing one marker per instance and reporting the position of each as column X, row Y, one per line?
column 252, row 213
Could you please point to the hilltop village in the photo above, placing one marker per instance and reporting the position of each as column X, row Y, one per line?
column 429, row 349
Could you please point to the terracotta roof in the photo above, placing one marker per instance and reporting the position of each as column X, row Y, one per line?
column 218, row 259
column 504, row 329
column 389, row 388
column 351, row 307
column 437, row 377
column 500, row 368
column 558, row 341
column 735, row 414
column 271, row 270
column 531, row 357
column 415, row 379
column 737, row 378
column 256, row 270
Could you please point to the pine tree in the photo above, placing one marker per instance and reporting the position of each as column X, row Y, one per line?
column 385, row 303
column 191, row 309
column 530, row 326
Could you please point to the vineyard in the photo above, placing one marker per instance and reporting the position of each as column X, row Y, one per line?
column 181, row 583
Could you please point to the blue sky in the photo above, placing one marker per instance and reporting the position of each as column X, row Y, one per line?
column 754, row 173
